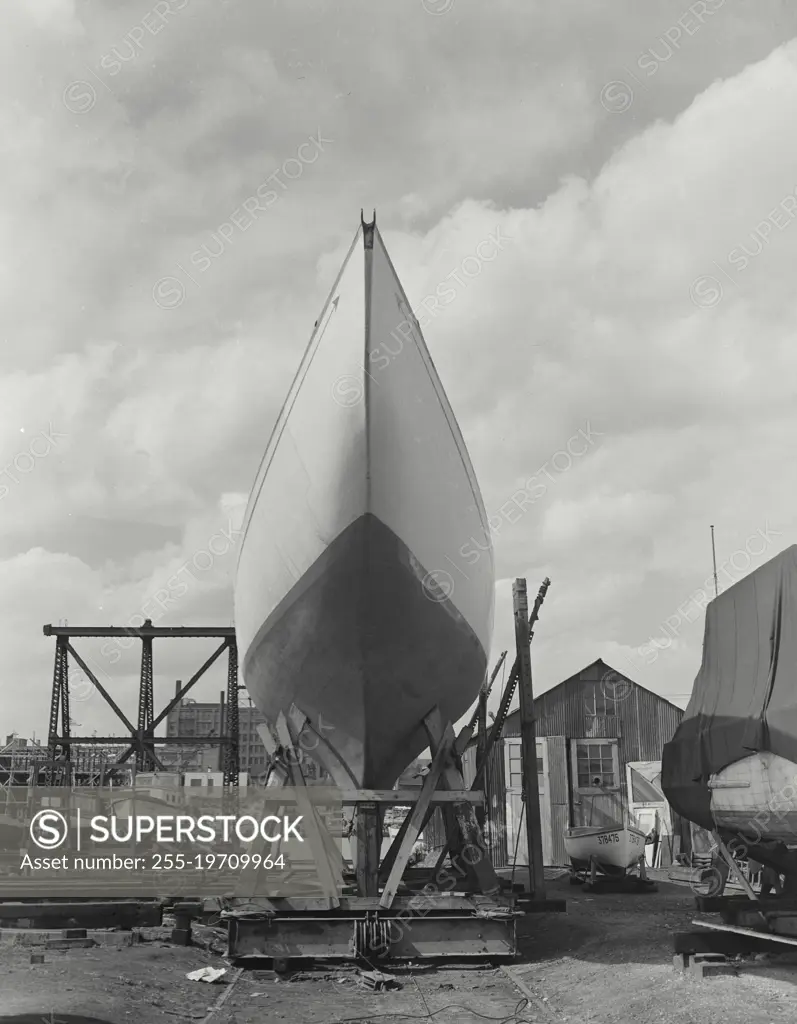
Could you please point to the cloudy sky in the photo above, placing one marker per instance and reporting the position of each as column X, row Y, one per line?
column 179, row 183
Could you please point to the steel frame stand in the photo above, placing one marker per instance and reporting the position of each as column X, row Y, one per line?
column 380, row 909
column 141, row 738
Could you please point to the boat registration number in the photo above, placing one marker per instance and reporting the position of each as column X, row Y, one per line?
column 612, row 837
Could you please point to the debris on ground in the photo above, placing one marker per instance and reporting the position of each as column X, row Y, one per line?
column 377, row 981
column 607, row 960
column 209, row 974
column 214, row 940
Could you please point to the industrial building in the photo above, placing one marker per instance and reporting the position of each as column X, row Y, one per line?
column 205, row 719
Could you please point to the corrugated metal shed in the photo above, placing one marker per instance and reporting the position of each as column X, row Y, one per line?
column 596, row 703
column 642, row 720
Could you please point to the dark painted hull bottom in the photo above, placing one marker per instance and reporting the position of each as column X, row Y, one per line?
column 361, row 648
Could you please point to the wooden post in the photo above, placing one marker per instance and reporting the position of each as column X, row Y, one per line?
column 481, row 753
column 528, row 741
column 368, row 839
column 329, row 874
column 417, row 815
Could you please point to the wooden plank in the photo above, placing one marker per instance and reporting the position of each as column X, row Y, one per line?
column 267, row 739
column 727, row 904
column 685, row 943
column 747, row 931
column 464, row 736
column 453, row 845
column 329, row 881
column 417, row 816
column 405, row 797
column 529, row 739
column 332, row 763
column 543, row 1011
column 298, row 719
column 368, row 845
column 735, row 870
column 357, row 905
column 88, row 913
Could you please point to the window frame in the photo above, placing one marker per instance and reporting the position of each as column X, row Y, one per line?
column 594, row 698
column 588, row 742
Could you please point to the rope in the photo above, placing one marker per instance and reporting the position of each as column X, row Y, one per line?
column 517, row 842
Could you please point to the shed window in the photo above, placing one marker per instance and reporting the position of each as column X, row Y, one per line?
column 595, row 765
column 516, row 770
column 597, row 701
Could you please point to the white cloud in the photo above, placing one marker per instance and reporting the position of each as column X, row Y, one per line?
column 584, row 317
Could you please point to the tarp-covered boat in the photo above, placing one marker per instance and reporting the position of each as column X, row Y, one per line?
column 732, row 763
column 350, row 602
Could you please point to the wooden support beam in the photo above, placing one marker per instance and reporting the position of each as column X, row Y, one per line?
column 735, row 870
column 528, row 735
column 324, row 753
column 417, row 815
column 406, row 797
column 390, row 857
column 368, row 839
column 453, row 844
column 461, row 821
column 267, row 738
column 481, row 751
column 331, row 882
column 281, row 775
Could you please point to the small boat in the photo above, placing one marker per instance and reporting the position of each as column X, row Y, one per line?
column 353, row 601
column 614, row 849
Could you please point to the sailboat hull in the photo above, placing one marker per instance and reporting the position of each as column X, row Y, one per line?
column 353, row 602
column 369, row 654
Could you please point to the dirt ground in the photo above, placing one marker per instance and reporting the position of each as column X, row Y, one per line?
column 609, row 959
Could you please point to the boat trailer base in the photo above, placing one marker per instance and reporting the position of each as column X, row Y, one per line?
column 468, row 931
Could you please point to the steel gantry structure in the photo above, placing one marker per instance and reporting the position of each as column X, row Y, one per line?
column 141, row 739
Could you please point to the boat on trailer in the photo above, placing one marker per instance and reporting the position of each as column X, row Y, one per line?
column 613, row 849
column 353, row 604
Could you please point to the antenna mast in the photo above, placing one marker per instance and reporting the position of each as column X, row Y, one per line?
column 714, row 557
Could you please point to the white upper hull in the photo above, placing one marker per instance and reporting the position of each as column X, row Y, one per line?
column 611, row 847
column 365, row 496
column 758, row 797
